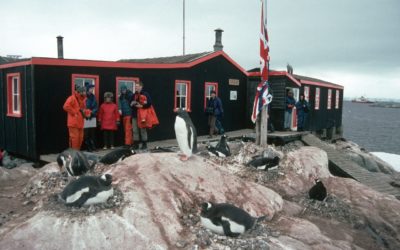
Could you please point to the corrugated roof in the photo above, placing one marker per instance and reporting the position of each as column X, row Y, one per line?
column 170, row 59
column 306, row 78
column 5, row 60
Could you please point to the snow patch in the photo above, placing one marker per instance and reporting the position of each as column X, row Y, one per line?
column 391, row 159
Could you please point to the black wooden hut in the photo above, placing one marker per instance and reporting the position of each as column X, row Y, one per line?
column 33, row 91
column 325, row 99
column 326, row 102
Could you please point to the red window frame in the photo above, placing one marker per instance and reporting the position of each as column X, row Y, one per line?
column 329, row 104
column 337, row 99
column 10, row 97
column 306, row 93
column 188, row 94
column 96, row 83
column 206, row 84
column 317, row 97
column 123, row 78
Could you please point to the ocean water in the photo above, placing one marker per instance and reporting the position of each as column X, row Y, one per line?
column 375, row 129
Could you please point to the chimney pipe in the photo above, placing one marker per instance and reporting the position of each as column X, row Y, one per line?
column 218, row 44
column 60, row 47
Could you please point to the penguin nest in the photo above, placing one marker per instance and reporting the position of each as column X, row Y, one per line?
column 196, row 235
column 44, row 190
column 331, row 208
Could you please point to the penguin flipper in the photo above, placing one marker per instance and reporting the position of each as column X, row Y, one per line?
column 81, row 201
column 227, row 229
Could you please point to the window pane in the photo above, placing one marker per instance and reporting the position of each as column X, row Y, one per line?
column 182, row 88
column 15, row 85
column 78, row 81
column 15, row 103
column 183, row 102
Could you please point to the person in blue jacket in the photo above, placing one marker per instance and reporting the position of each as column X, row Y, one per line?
column 90, row 131
column 302, row 108
column 290, row 103
column 125, row 110
column 215, row 113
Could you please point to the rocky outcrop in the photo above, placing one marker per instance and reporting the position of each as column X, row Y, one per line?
column 158, row 190
column 157, row 198
column 363, row 158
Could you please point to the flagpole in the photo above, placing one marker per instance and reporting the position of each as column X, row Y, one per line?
column 262, row 121
column 183, row 27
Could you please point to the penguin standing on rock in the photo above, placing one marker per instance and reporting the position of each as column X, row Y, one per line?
column 226, row 219
column 117, row 155
column 74, row 162
column 221, row 150
column 318, row 191
column 88, row 190
column 186, row 134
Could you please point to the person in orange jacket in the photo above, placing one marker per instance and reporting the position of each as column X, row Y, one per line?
column 75, row 106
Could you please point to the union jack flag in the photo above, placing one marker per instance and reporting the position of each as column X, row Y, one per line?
column 262, row 96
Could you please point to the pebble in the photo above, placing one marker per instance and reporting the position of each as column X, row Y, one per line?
column 181, row 244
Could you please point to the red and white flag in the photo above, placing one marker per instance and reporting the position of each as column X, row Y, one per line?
column 262, row 96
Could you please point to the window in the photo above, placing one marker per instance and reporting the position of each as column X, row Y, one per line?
column 84, row 80
column 317, row 92
column 306, row 93
column 129, row 82
column 329, row 99
column 14, row 102
column 337, row 99
column 208, row 87
column 182, row 94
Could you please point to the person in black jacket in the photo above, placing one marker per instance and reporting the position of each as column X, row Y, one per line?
column 215, row 112
column 90, row 128
column 302, row 108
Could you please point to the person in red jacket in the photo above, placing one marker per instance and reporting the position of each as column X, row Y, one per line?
column 108, row 119
column 75, row 106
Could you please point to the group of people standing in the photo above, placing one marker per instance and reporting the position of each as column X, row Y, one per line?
column 84, row 115
column 302, row 108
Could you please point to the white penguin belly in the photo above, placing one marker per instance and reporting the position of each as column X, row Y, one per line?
column 182, row 136
column 75, row 196
column 101, row 197
column 235, row 227
column 207, row 223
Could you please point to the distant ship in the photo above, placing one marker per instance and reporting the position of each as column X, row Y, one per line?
column 362, row 99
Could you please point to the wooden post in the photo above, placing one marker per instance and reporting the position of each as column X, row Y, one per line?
column 264, row 127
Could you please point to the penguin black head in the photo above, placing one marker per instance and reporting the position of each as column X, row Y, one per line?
column 106, row 179
column 182, row 113
column 205, row 207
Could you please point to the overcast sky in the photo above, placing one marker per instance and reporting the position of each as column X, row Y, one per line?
column 355, row 43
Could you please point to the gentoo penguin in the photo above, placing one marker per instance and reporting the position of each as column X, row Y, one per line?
column 264, row 163
column 88, row 190
column 221, row 150
column 158, row 149
column 74, row 162
column 248, row 139
column 226, row 219
column 186, row 134
column 117, row 155
column 318, row 191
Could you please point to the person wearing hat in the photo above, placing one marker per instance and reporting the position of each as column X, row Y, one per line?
column 215, row 112
column 108, row 119
column 90, row 123
column 125, row 111
column 75, row 106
